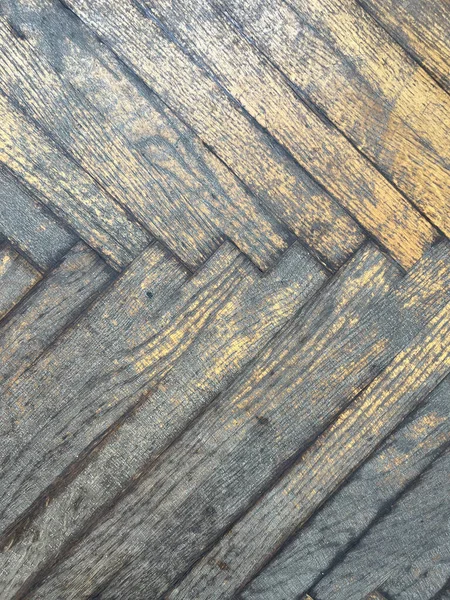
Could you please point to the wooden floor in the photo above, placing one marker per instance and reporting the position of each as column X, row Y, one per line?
column 225, row 299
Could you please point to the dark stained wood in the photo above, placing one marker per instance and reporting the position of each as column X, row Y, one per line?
column 242, row 323
column 200, row 191
column 204, row 481
column 29, row 227
column 375, row 486
column 17, row 277
column 54, row 303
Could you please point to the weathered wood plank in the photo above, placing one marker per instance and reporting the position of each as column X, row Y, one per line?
column 321, row 469
column 256, row 309
column 208, row 477
column 229, row 454
column 28, row 80
column 423, row 28
column 66, row 189
column 27, row 225
column 417, row 567
column 83, row 380
column 252, row 154
column 317, row 145
column 186, row 169
column 55, row 302
column 341, row 61
column 17, row 277
column 347, row 515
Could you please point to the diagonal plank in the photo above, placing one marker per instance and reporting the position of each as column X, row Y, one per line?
column 90, row 356
column 315, row 144
column 17, row 277
column 207, row 478
column 66, row 189
column 215, row 323
column 255, row 310
column 252, row 154
column 29, row 227
column 204, row 189
column 422, row 28
column 353, row 509
column 419, row 566
column 322, row 468
column 55, row 302
column 29, row 81
column 342, row 62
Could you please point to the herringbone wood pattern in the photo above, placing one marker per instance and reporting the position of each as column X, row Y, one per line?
column 225, row 299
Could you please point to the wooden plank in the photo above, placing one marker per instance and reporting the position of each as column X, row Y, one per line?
column 17, row 277
column 53, row 305
column 214, row 472
column 420, row 569
column 342, row 62
column 317, row 145
column 422, row 28
column 99, row 148
column 252, row 154
column 253, row 312
column 29, row 227
column 321, row 470
column 86, row 358
column 67, row 190
column 201, row 184
column 203, row 326
column 352, row 510
column 206, row 478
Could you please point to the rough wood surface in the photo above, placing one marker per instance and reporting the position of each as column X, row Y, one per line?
column 52, row 306
column 201, row 484
column 222, row 347
column 359, row 504
column 341, row 62
column 422, row 28
column 209, row 198
column 224, row 300
column 222, row 125
column 17, row 277
column 28, row 226
column 265, row 94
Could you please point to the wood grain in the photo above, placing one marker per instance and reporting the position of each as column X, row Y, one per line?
column 52, row 306
column 17, row 277
column 284, row 187
column 210, row 475
column 200, row 190
column 421, row 568
column 343, row 63
column 358, row 504
column 66, row 189
column 422, row 28
column 243, row 323
column 342, row 447
column 28, row 226
column 315, row 144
